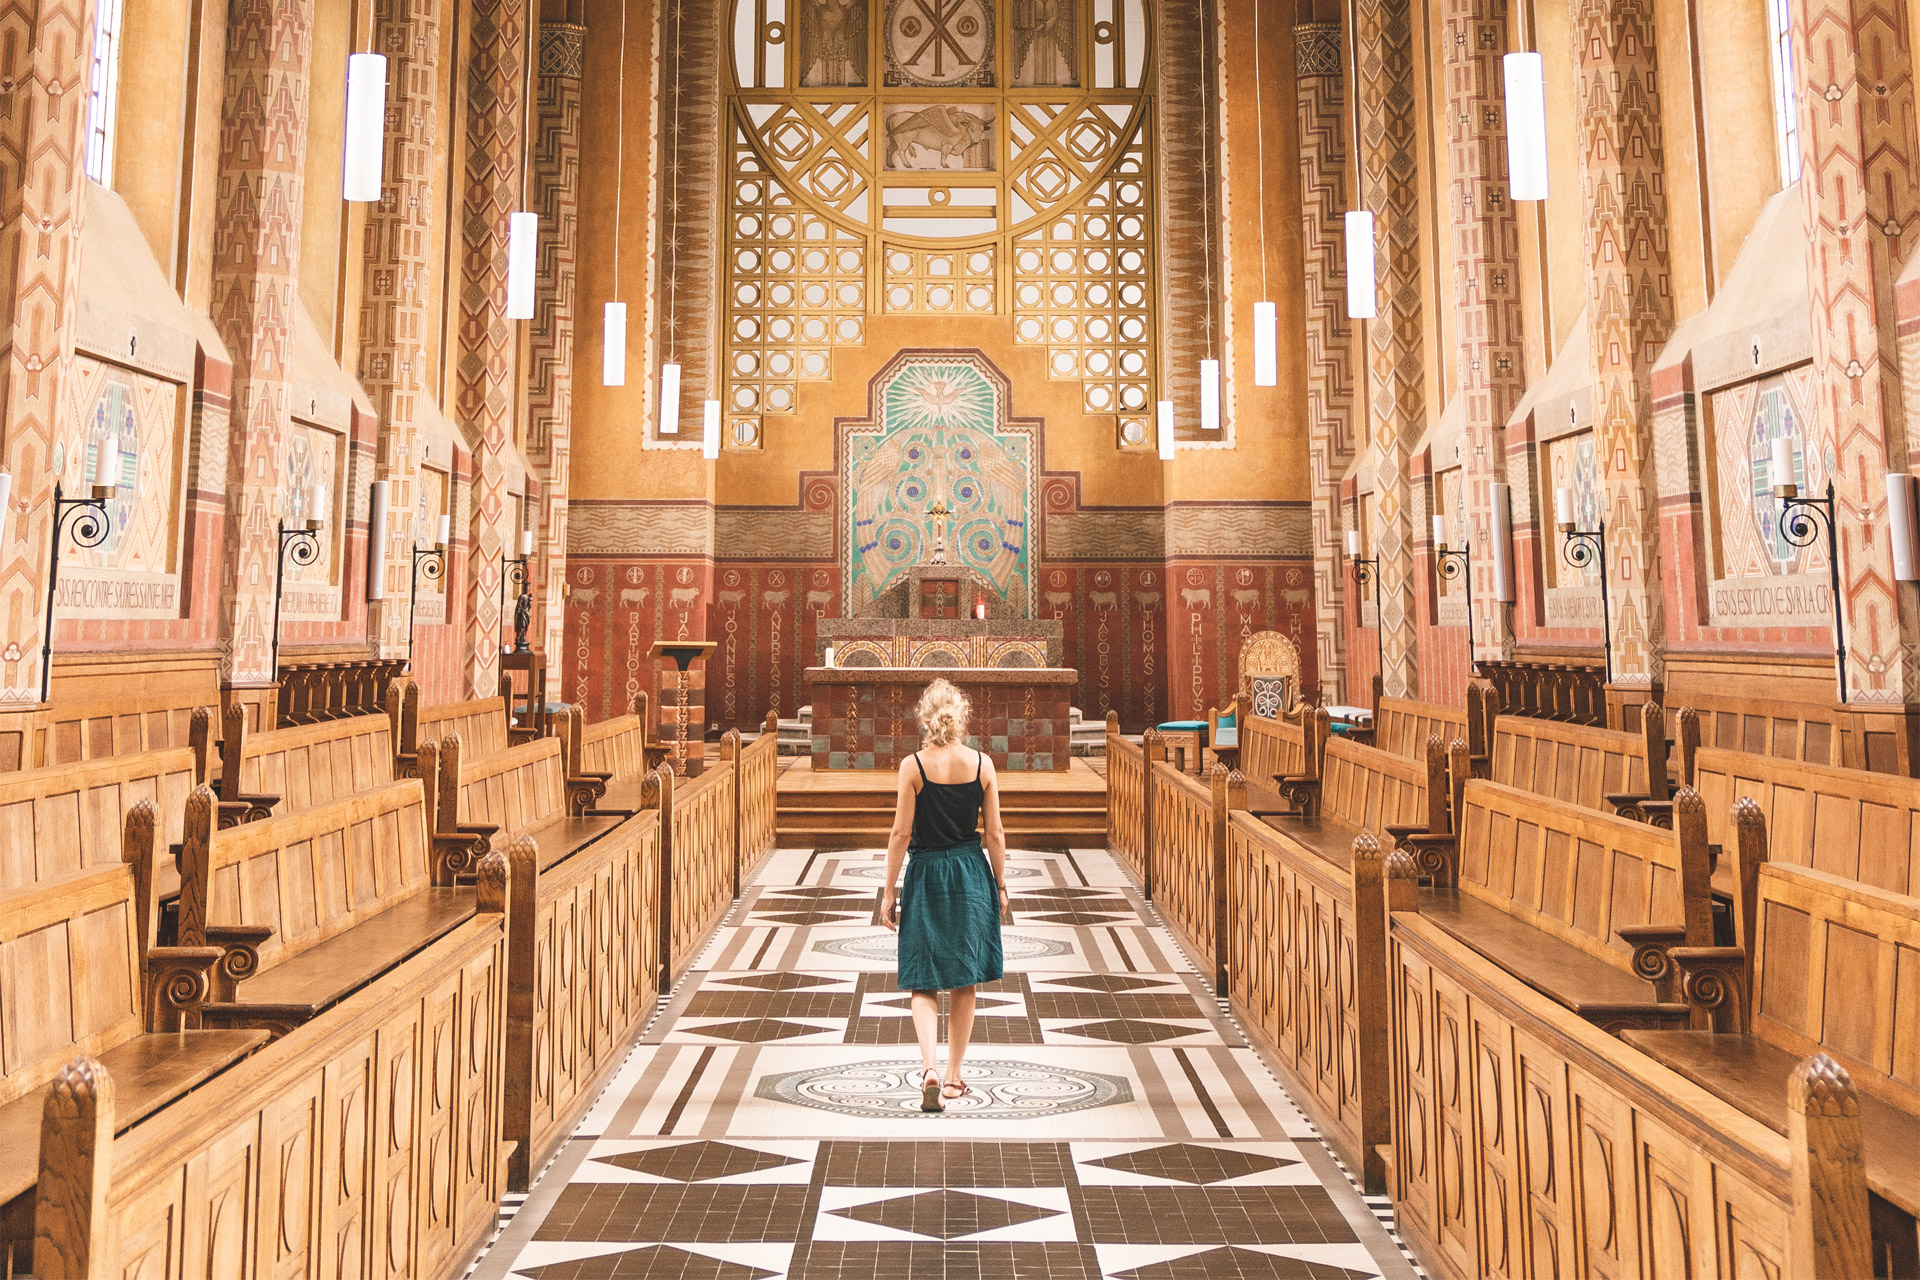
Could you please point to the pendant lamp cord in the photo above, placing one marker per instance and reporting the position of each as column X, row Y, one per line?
column 620, row 150
column 1260, row 133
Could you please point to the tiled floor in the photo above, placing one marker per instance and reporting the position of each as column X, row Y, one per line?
column 767, row 1127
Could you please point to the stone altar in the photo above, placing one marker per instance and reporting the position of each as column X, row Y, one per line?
column 863, row 717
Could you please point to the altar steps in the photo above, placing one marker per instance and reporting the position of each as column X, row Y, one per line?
column 853, row 809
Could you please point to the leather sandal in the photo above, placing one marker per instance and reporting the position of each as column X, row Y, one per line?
column 930, row 1090
column 960, row 1089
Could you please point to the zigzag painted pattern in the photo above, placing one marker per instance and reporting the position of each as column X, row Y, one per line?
column 394, row 293
column 1856, row 125
column 1629, row 305
column 1190, row 304
column 691, row 198
column 496, row 72
column 1486, row 253
column 1330, row 434
column 1388, row 177
column 256, row 254
column 42, row 123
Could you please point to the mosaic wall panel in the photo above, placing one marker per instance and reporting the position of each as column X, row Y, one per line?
column 1214, row 607
column 941, row 435
column 134, row 572
column 1756, row 576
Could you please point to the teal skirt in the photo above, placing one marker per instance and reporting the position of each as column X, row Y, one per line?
column 949, row 920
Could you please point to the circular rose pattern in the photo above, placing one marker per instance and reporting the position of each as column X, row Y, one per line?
column 968, row 26
column 1002, row 1090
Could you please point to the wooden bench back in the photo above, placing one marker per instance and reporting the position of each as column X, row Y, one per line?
column 97, row 730
column 1402, row 726
column 1371, row 789
column 756, row 790
column 1272, row 748
column 1127, row 799
column 1837, row 968
column 308, row 765
column 512, row 789
column 1860, row 826
column 481, row 723
column 72, row 960
column 1582, row 875
column 1801, row 731
column 1580, row 764
column 617, row 747
column 309, row 875
column 57, row 820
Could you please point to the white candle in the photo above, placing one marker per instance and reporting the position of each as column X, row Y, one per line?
column 366, row 126
column 1782, row 467
column 829, row 656
column 108, row 472
column 1209, row 395
column 669, row 399
column 446, row 529
column 1353, row 543
column 1439, row 531
column 1563, row 507
column 526, row 542
column 317, row 502
column 710, row 429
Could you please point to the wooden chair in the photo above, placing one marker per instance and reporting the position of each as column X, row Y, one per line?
column 83, row 978
column 1269, row 665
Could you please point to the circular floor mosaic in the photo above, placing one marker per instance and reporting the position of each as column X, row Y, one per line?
column 879, row 873
column 881, row 946
column 1002, row 1090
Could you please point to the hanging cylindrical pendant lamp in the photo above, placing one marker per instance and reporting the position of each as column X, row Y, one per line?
column 1266, row 344
column 710, row 429
column 1360, row 266
column 366, row 131
column 523, row 234
column 1209, row 395
column 1166, row 431
column 1526, row 126
column 669, row 399
column 613, row 353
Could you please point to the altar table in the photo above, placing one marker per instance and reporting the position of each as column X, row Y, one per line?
column 863, row 717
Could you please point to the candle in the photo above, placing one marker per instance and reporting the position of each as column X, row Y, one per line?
column 108, row 472
column 1353, row 543
column 1439, row 531
column 829, row 657
column 980, row 609
column 446, row 529
column 710, row 429
column 1563, row 507
column 1782, row 467
column 526, row 542
column 317, row 502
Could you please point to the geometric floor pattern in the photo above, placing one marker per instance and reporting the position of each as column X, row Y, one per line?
column 767, row 1125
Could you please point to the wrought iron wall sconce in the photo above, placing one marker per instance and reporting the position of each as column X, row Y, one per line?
column 1583, row 549
column 90, row 526
column 303, row 543
column 1802, row 520
column 1452, row 565
column 1366, row 572
column 433, row 562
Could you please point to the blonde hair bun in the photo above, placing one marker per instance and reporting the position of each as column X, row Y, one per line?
column 943, row 714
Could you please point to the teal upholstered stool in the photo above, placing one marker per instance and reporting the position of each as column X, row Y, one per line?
column 1188, row 738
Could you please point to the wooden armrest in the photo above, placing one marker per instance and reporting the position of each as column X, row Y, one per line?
column 239, row 946
column 1436, row 855
column 457, row 852
column 1299, row 790
column 241, row 809
column 584, row 791
column 1714, row 983
column 1362, row 736
column 1651, row 944
column 177, row 985
column 1401, row 832
column 406, row 764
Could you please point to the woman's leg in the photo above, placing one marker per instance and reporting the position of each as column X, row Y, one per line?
column 926, row 1024
column 959, row 1029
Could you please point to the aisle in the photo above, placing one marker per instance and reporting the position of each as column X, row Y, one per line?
column 768, row 1125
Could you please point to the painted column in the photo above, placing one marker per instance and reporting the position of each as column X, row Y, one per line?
column 485, row 398
column 46, row 48
column 394, row 361
column 1193, row 325
column 1486, row 254
column 1330, row 419
column 1388, row 171
column 1857, row 138
column 1630, row 310
column 556, row 197
column 256, row 254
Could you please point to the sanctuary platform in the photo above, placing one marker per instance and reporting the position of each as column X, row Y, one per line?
column 853, row 808
column 863, row 717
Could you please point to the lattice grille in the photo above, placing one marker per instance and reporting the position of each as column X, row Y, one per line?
column 940, row 282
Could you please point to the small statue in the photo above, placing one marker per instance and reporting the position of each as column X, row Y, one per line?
column 522, row 619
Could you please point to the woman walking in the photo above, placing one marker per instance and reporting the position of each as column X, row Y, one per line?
column 948, row 914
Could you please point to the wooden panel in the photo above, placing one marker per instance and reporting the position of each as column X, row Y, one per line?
column 1573, row 763
column 697, row 863
column 1127, row 804
column 1185, row 875
column 759, row 772
column 1370, row 789
column 1867, row 824
column 481, row 724
column 71, row 733
column 315, row 764
column 58, row 820
column 1402, row 726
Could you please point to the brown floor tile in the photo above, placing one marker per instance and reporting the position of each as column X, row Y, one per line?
column 654, row 1262
column 945, row 1164
column 858, row 1260
column 1211, row 1215
column 1198, row 1165
column 697, row 1161
column 665, row 1211
column 945, row 1213
column 1240, row 1264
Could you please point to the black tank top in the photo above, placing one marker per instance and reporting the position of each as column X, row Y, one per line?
column 946, row 813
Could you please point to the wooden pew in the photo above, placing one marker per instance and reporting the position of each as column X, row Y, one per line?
column 1281, row 759
column 1786, row 730
column 79, row 976
column 1189, row 873
column 1299, row 942
column 58, row 820
column 585, row 950
column 1827, row 966
column 481, row 725
column 1402, row 726
column 1604, row 769
column 287, row 770
column 756, row 796
column 1126, row 800
column 310, row 907
column 1859, row 826
column 1527, row 1141
column 697, row 864
column 70, row 733
column 315, row 692
column 365, row 1142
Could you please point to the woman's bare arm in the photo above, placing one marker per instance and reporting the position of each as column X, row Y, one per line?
column 996, row 840
column 904, row 800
